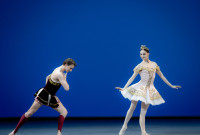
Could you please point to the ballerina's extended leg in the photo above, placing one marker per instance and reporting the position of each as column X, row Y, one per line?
column 128, row 117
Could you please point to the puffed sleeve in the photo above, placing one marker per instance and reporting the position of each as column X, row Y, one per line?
column 157, row 68
column 137, row 69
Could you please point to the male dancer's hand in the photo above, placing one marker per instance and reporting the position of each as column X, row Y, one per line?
column 65, row 76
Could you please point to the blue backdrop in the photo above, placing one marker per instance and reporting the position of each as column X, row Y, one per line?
column 104, row 38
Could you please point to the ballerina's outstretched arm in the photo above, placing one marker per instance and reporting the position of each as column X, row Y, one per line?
column 158, row 71
column 129, row 82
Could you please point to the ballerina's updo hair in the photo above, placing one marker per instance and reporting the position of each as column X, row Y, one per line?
column 143, row 47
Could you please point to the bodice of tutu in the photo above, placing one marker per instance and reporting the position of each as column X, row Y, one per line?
column 147, row 74
column 147, row 77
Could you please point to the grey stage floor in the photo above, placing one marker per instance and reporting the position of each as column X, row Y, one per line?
column 104, row 127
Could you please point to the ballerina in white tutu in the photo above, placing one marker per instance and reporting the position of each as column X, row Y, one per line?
column 144, row 90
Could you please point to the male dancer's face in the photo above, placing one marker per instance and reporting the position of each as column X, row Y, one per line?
column 69, row 68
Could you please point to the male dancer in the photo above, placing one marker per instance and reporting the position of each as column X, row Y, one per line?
column 46, row 95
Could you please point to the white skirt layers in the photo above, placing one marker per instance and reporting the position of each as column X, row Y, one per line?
column 138, row 92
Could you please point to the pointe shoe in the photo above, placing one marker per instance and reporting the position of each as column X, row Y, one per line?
column 122, row 131
column 59, row 133
column 11, row 133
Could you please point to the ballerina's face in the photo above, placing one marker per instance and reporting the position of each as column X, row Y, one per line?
column 144, row 55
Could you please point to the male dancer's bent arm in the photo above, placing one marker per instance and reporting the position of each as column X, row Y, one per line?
column 63, row 82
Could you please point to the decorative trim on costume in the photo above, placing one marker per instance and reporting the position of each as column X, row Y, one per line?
column 135, row 92
column 138, row 68
column 42, row 96
column 49, row 99
column 153, row 94
column 52, row 82
column 50, row 104
column 157, row 68
column 150, row 78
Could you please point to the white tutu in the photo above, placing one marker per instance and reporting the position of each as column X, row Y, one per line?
column 144, row 90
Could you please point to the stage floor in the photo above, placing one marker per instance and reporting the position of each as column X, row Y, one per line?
column 103, row 127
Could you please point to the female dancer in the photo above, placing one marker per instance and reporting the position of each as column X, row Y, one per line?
column 46, row 96
column 144, row 90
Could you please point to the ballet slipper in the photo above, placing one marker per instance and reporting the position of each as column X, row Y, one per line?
column 122, row 131
column 11, row 133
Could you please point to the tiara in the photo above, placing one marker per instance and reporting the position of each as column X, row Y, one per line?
column 143, row 47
